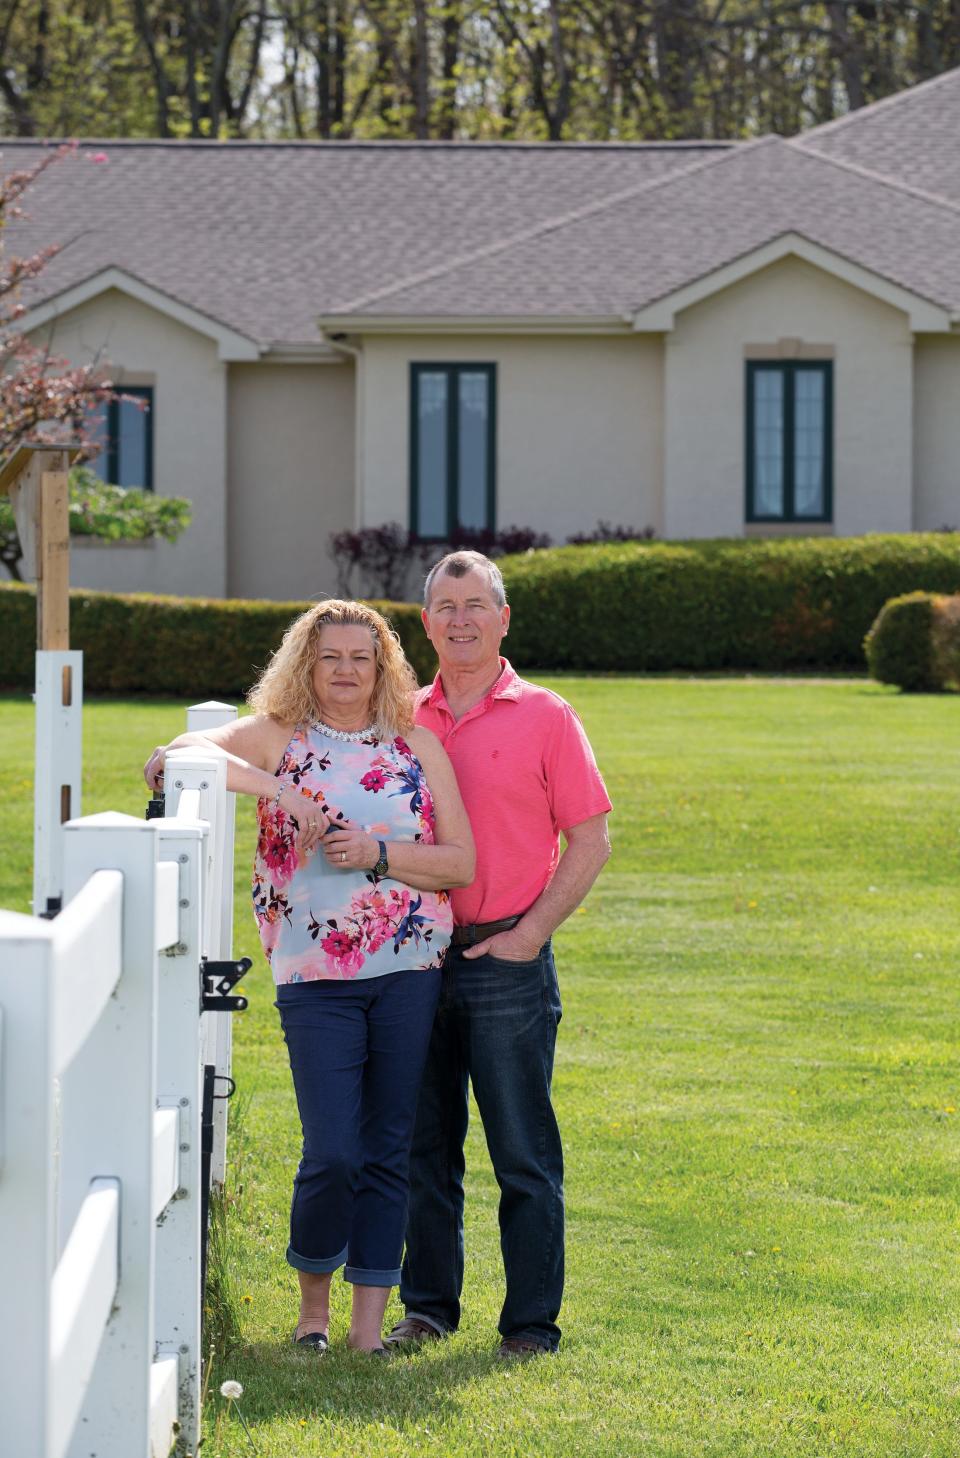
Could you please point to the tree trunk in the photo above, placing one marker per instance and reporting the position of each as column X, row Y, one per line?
column 420, row 71
column 848, row 52
column 447, row 112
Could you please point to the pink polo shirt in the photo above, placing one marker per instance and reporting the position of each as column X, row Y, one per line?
column 526, row 771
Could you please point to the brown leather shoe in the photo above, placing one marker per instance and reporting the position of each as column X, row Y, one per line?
column 411, row 1331
column 514, row 1348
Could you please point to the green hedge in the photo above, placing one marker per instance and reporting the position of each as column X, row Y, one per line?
column 800, row 604
column 139, row 643
column 803, row 603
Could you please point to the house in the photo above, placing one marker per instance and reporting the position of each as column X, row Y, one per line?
column 710, row 339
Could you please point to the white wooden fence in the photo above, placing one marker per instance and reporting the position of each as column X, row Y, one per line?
column 101, row 1053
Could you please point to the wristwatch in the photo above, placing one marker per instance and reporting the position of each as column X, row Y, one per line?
column 381, row 868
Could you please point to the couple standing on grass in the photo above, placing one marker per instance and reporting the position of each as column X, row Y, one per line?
column 407, row 882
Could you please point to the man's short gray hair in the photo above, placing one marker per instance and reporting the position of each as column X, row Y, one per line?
column 458, row 564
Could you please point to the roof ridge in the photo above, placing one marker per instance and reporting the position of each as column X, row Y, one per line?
column 895, row 183
column 381, row 143
column 904, row 94
column 525, row 235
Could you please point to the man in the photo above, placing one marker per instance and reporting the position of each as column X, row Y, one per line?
column 526, row 773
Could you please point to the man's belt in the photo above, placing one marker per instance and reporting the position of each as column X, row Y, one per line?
column 468, row 936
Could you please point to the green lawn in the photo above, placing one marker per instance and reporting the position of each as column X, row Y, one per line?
column 757, row 1082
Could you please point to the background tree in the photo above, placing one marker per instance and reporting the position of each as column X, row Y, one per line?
column 42, row 397
column 530, row 69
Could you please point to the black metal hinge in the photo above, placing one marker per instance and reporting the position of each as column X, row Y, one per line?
column 217, row 979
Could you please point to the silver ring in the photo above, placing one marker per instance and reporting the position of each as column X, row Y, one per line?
column 343, row 855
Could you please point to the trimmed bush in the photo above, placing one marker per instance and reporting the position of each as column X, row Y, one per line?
column 899, row 645
column 915, row 643
column 795, row 604
column 189, row 647
column 788, row 605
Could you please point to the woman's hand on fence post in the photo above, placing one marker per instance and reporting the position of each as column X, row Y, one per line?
column 153, row 769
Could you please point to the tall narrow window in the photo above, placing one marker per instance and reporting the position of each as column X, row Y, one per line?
column 790, row 440
column 452, row 448
column 123, row 429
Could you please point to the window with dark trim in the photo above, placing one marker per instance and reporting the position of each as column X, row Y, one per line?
column 789, row 440
column 123, row 429
column 452, row 448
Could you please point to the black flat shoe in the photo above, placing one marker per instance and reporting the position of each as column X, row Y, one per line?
column 315, row 1339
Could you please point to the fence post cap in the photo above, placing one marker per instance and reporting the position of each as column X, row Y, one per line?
column 110, row 820
column 15, row 926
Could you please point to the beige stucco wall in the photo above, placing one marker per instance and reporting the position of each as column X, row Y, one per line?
column 291, row 475
column 578, row 427
column 189, row 440
column 937, row 432
column 704, row 487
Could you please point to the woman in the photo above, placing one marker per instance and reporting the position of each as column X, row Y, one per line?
column 362, row 831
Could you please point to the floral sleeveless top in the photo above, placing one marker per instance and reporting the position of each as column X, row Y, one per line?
column 317, row 922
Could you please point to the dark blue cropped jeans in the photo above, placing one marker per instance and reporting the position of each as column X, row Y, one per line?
column 357, row 1051
column 496, row 1025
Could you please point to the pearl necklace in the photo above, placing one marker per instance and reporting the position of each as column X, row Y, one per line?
column 346, row 736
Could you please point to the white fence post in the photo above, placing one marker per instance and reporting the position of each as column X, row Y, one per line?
column 100, row 1228
column 180, row 1087
column 59, row 767
column 28, row 1217
column 108, row 1102
column 217, row 1026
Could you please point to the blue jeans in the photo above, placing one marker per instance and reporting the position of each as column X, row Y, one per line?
column 356, row 1052
column 496, row 1024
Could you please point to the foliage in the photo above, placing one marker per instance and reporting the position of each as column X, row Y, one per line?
column 915, row 642
column 140, row 643
column 770, row 605
column 945, row 640
column 606, row 531
column 528, row 69
column 112, row 513
column 40, row 395
column 381, row 555
column 380, row 559
column 118, row 513
column 899, row 645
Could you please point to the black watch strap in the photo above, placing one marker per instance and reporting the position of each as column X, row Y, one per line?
column 381, row 868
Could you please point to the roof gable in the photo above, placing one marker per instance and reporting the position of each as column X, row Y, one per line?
column 230, row 344
column 924, row 316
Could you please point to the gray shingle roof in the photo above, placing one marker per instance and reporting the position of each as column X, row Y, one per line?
column 913, row 136
column 617, row 256
column 264, row 237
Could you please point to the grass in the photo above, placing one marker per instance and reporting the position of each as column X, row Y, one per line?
column 757, row 1082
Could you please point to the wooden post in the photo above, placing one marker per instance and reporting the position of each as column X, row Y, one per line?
column 37, row 479
column 53, row 561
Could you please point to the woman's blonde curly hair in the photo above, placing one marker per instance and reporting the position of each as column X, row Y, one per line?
column 284, row 689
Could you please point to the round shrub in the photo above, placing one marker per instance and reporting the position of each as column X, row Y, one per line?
column 899, row 645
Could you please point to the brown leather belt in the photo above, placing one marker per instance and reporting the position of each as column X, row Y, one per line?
column 468, row 936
